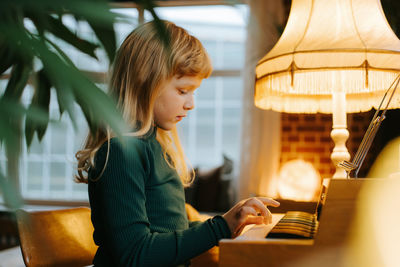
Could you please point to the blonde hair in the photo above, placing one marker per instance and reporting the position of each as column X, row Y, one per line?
column 143, row 63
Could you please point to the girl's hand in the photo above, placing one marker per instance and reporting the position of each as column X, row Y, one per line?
column 249, row 211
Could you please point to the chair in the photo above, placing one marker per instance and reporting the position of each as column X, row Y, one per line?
column 57, row 237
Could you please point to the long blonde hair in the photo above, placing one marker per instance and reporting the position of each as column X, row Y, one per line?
column 143, row 63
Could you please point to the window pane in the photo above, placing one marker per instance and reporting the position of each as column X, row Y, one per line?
column 36, row 147
column 35, row 181
column 58, row 137
column 233, row 55
column 205, row 140
column 183, row 132
column 231, row 116
column 211, row 47
column 233, row 87
column 206, row 91
column 57, row 176
column 231, row 141
column 221, row 29
column 205, row 116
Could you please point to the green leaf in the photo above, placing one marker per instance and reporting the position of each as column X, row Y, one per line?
column 20, row 48
column 29, row 132
column 65, row 98
column 161, row 29
column 106, row 35
column 39, row 19
column 7, row 133
column 61, row 53
column 96, row 105
column 19, row 77
column 58, row 75
column 97, row 13
column 40, row 101
column 62, row 32
column 11, row 195
column 89, row 116
column 11, row 111
column 99, row 112
column 43, row 100
column 7, row 57
column 72, row 85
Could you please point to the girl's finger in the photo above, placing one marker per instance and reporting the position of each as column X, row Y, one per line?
column 260, row 206
column 269, row 201
column 254, row 220
column 249, row 220
column 245, row 211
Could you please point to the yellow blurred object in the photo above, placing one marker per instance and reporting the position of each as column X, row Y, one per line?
column 56, row 238
column 376, row 232
column 299, row 180
column 387, row 163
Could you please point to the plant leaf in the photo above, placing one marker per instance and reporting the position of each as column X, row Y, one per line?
column 19, row 77
column 7, row 133
column 7, row 57
column 99, row 112
column 105, row 33
column 161, row 29
column 58, row 29
column 72, row 85
column 29, row 131
column 11, row 111
column 97, row 13
column 41, row 101
column 11, row 195
column 65, row 98
column 61, row 53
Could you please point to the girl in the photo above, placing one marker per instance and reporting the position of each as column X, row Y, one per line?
column 136, row 182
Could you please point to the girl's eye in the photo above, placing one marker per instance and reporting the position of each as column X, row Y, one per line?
column 182, row 92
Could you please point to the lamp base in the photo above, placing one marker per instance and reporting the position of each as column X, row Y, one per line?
column 339, row 135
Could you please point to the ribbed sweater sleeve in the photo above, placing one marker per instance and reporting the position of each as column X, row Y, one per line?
column 194, row 223
column 120, row 199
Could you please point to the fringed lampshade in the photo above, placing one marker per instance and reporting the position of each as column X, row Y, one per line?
column 334, row 56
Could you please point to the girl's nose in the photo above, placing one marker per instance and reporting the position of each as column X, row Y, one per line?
column 189, row 103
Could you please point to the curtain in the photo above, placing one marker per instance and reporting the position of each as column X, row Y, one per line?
column 261, row 129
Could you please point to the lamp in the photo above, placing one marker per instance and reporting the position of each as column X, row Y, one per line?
column 334, row 56
column 298, row 180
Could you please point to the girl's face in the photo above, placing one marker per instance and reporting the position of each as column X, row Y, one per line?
column 175, row 100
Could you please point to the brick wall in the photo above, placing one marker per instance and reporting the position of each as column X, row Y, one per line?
column 307, row 136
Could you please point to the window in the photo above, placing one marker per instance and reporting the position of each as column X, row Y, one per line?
column 213, row 128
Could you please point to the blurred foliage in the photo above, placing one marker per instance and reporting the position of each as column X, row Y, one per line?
column 30, row 55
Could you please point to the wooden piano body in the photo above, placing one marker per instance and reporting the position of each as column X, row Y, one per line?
column 328, row 247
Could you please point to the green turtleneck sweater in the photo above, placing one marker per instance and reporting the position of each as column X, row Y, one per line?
column 138, row 209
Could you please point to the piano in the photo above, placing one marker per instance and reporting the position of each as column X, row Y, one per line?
column 327, row 248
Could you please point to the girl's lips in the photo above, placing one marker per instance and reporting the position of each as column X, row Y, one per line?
column 179, row 118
